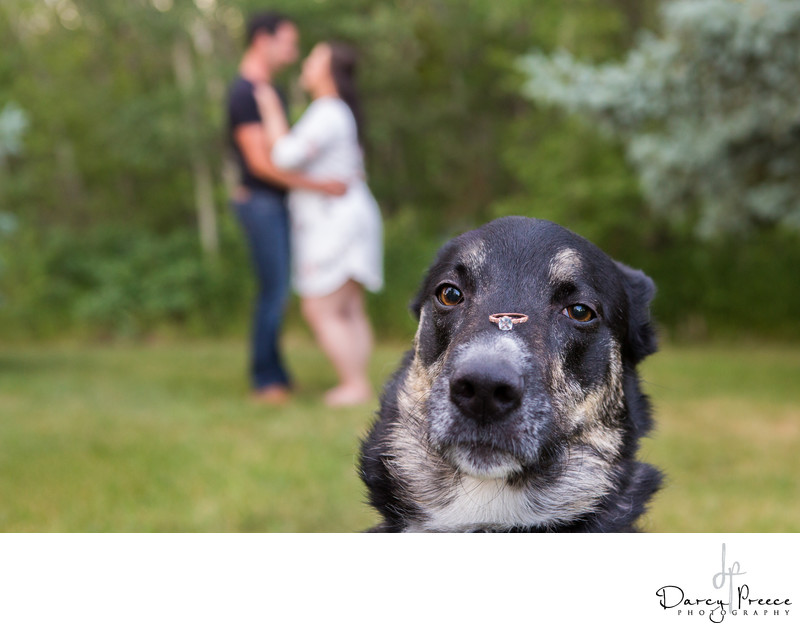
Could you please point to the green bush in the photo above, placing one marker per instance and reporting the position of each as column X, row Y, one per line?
column 733, row 286
column 116, row 281
column 8, row 225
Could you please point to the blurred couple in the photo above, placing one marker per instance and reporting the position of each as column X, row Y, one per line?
column 302, row 191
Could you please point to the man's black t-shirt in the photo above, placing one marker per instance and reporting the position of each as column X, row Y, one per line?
column 243, row 109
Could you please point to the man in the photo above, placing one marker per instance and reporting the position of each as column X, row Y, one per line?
column 260, row 199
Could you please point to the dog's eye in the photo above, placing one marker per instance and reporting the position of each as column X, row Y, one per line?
column 580, row 313
column 449, row 295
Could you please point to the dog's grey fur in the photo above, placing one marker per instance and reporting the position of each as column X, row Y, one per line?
column 558, row 453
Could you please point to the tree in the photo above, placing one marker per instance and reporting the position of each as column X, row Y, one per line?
column 709, row 111
column 126, row 100
column 124, row 105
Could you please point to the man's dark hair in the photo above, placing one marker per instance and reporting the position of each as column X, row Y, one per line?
column 268, row 21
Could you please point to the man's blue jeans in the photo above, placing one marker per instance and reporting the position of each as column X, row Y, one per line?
column 265, row 220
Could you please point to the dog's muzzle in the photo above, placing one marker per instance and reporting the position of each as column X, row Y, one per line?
column 487, row 389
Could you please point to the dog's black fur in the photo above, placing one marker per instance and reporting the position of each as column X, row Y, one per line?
column 534, row 429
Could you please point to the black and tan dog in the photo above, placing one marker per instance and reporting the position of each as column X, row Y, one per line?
column 519, row 407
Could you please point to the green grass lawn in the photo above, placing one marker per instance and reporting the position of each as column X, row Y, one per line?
column 163, row 437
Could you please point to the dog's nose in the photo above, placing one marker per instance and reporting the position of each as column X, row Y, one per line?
column 486, row 390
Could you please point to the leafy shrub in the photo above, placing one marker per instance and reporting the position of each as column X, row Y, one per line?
column 8, row 225
column 121, row 282
column 114, row 281
column 727, row 287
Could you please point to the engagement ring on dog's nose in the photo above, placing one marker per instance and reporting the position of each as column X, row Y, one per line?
column 506, row 321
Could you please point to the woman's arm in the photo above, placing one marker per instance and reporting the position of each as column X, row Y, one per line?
column 250, row 139
column 256, row 141
column 294, row 149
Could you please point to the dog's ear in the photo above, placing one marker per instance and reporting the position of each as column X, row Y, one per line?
column 640, row 290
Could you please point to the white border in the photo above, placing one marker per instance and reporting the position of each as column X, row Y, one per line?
column 412, row 582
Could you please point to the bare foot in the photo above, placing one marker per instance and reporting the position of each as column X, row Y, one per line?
column 272, row 395
column 348, row 395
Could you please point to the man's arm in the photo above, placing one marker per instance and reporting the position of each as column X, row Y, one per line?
column 250, row 138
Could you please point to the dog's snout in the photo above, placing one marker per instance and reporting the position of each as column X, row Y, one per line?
column 486, row 390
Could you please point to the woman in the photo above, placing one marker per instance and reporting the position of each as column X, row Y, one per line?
column 336, row 240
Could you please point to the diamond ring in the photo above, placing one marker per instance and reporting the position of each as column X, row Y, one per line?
column 506, row 321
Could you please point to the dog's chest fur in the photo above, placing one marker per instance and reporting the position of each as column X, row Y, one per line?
column 480, row 505
column 493, row 505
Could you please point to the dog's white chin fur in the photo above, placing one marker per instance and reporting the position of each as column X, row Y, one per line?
column 483, row 463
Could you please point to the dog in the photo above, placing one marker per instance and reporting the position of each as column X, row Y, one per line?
column 519, row 408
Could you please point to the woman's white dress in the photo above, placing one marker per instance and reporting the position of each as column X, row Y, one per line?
column 334, row 239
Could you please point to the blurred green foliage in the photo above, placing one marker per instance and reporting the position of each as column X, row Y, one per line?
column 13, row 123
column 120, row 282
column 126, row 109
column 707, row 110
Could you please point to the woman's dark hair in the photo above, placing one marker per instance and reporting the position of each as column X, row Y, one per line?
column 268, row 21
column 344, row 61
